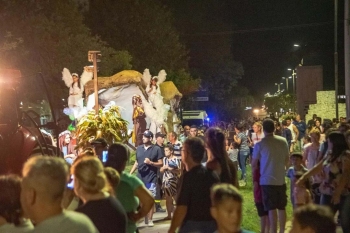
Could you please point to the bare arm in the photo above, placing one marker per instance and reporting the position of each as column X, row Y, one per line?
column 179, row 216
column 314, row 171
column 159, row 163
column 134, row 167
column 296, row 131
column 146, row 203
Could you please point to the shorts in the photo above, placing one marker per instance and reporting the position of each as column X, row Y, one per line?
column 260, row 208
column 152, row 187
column 274, row 197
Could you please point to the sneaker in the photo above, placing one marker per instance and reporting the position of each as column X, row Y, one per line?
column 159, row 209
column 150, row 223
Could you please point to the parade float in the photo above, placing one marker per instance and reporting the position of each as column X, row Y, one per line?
column 129, row 103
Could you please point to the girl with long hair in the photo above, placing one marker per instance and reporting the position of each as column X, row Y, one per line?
column 218, row 159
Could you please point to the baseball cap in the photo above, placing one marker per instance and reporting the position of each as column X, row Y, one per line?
column 148, row 134
column 159, row 134
column 100, row 141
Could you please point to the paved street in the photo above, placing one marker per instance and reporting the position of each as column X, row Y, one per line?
column 160, row 226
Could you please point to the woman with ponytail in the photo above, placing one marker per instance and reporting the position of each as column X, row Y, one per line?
column 91, row 186
column 218, row 159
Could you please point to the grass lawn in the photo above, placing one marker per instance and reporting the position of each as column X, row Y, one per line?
column 251, row 219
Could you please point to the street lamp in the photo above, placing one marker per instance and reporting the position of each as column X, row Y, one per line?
column 279, row 86
column 294, row 74
column 296, row 45
column 287, row 81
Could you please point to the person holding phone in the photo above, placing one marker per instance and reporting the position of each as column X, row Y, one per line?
column 100, row 146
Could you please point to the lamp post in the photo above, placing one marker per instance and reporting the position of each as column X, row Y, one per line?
column 294, row 76
column 287, row 81
column 93, row 57
column 278, row 87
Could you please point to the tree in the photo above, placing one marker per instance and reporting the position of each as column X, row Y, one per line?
column 284, row 101
column 46, row 36
column 145, row 29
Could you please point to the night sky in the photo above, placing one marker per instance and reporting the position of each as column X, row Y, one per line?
column 267, row 54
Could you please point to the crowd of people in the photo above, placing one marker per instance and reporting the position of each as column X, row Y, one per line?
column 198, row 171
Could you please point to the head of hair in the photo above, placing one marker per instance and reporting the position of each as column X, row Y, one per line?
column 339, row 144
column 10, row 204
column 193, row 127
column 174, row 134
column 259, row 125
column 47, row 175
column 169, row 146
column 195, row 148
column 118, row 155
column 307, row 138
column 215, row 140
column 239, row 127
column 89, row 172
column 112, row 176
column 268, row 126
column 315, row 132
column 284, row 123
column 221, row 192
column 288, row 118
column 296, row 155
column 318, row 218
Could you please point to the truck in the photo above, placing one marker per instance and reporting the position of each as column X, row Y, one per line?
column 22, row 132
column 195, row 117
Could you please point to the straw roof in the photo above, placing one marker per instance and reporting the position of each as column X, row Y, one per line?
column 169, row 91
column 122, row 78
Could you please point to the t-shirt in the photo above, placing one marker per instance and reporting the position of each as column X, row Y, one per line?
column 25, row 226
column 291, row 175
column 301, row 126
column 125, row 194
column 272, row 152
column 148, row 173
column 107, row 214
column 195, row 193
column 244, row 141
column 68, row 221
column 233, row 154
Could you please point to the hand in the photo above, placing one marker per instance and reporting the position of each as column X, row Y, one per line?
column 134, row 216
column 147, row 161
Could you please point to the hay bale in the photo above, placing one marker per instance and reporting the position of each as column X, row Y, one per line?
column 121, row 78
column 169, row 91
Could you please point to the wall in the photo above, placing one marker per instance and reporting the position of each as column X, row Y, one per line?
column 325, row 107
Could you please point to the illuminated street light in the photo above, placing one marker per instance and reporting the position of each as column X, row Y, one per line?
column 289, row 69
column 279, row 86
column 256, row 111
column 287, row 81
column 296, row 45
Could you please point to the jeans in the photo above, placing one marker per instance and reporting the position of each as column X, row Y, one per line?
column 242, row 157
column 198, row 227
column 326, row 200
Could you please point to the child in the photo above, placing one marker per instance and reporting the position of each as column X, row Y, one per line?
column 313, row 219
column 297, row 160
column 264, row 215
column 171, row 169
column 233, row 154
column 301, row 192
column 306, row 142
column 227, row 208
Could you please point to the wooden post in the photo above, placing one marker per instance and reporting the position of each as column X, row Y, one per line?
column 92, row 57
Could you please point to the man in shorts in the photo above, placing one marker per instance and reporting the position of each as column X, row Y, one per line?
column 149, row 158
column 273, row 154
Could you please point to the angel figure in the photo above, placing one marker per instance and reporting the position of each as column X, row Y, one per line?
column 76, row 85
column 152, row 89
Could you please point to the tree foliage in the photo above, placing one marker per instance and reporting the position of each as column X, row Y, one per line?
column 284, row 101
column 145, row 29
column 46, row 36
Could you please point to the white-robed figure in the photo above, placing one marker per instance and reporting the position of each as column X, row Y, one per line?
column 76, row 86
column 159, row 115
